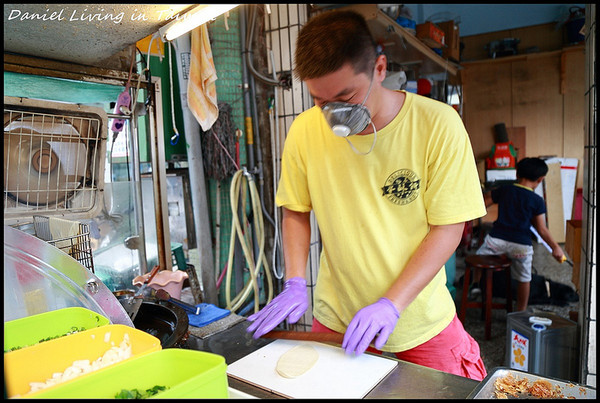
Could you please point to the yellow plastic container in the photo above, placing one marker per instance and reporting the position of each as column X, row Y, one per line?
column 37, row 363
column 35, row 329
column 186, row 374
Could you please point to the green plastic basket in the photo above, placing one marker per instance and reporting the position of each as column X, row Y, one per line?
column 185, row 373
column 34, row 329
column 39, row 362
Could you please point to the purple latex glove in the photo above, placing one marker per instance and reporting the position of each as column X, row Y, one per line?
column 291, row 303
column 380, row 317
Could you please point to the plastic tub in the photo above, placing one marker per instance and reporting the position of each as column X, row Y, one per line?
column 38, row 328
column 37, row 363
column 170, row 281
column 185, row 373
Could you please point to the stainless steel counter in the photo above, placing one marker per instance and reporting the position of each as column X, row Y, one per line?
column 406, row 381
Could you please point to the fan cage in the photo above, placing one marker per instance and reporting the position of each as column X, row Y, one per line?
column 77, row 246
column 73, row 192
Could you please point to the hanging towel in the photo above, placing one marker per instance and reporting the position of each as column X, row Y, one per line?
column 202, row 90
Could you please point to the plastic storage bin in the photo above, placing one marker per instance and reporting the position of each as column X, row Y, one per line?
column 34, row 329
column 542, row 343
column 185, row 373
column 37, row 363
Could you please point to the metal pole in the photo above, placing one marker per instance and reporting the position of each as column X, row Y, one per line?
column 246, row 90
column 137, row 186
column 159, row 179
column 197, row 181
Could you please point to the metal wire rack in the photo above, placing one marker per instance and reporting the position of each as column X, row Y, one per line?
column 77, row 246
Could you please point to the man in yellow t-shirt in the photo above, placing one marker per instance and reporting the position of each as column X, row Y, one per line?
column 391, row 178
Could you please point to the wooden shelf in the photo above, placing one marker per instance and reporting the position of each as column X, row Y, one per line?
column 402, row 47
column 524, row 56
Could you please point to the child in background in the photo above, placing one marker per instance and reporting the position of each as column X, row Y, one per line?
column 519, row 207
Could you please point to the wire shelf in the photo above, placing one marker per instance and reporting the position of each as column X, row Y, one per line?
column 77, row 246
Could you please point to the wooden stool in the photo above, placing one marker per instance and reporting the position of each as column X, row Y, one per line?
column 489, row 264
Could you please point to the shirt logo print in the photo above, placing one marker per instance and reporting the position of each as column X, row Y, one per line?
column 402, row 187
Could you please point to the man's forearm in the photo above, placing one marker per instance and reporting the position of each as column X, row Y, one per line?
column 430, row 256
column 295, row 228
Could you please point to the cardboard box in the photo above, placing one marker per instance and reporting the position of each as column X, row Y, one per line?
column 573, row 240
column 452, row 40
column 431, row 35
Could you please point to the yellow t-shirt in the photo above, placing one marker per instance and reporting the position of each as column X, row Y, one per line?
column 374, row 210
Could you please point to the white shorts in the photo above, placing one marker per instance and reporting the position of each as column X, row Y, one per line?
column 521, row 256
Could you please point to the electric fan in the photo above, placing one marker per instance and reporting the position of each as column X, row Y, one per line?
column 54, row 157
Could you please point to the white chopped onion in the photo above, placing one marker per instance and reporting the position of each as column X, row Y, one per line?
column 81, row 367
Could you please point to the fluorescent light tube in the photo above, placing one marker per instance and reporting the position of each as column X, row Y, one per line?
column 192, row 19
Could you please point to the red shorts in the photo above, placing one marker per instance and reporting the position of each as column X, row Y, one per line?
column 453, row 351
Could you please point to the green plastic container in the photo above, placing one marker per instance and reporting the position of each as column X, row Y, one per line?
column 34, row 329
column 178, row 256
column 185, row 373
column 39, row 362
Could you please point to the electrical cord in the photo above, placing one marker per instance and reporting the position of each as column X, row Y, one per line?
column 137, row 87
column 277, row 273
column 275, row 155
column 249, row 37
column 236, row 228
column 155, row 36
column 175, row 137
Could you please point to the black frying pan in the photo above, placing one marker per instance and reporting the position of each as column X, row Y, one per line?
column 164, row 320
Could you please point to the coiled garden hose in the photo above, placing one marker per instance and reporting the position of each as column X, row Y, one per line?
column 236, row 228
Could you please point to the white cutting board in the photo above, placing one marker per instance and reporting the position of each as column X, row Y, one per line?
column 335, row 375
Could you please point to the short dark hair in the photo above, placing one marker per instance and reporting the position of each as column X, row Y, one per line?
column 330, row 40
column 531, row 168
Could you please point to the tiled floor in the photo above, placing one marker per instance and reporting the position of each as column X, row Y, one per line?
column 493, row 351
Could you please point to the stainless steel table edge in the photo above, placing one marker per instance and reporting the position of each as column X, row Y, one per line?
column 406, row 381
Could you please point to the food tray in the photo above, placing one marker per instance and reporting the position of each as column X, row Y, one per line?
column 37, row 363
column 486, row 388
column 34, row 329
column 186, row 373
